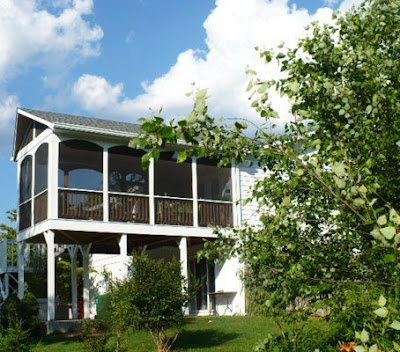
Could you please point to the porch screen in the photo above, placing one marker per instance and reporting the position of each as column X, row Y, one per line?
column 81, row 165
column 172, row 179
column 125, row 171
column 25, row 193
column 214, row 183
column 40, row 198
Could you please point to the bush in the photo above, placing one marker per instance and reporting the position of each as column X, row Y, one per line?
column 153, row 298
column 25, row 311
column 95, row 335
column 14, row 338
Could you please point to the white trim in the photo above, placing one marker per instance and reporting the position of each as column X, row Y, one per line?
column 128, row 194
column 234, row 194
column 93, row 130
column 34, row 117
column 152, row 211
column 32, row 146
column 105, row 185
column 195, row 193
column 51, row 276
column 174, row 198
column 92, row 226
column 52, row 174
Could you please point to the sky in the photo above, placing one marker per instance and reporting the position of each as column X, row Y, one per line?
column 121, row 59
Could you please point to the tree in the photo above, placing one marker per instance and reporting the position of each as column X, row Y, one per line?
column 7, row 231
column 153, row 298
column 330, row 199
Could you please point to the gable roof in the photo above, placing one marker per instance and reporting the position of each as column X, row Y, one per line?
column 58, row 121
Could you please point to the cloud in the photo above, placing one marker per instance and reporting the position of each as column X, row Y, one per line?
column 348, row 4
column 331, row 3
column 130, row 36
column 51, row 35
column 30, row 35
column 233, row 28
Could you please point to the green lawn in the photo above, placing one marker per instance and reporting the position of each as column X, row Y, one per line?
column 233, row 334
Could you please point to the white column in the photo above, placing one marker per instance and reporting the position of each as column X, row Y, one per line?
column 234, row 194
column 105, row 185
column 33, row 190
column 51, row 276
column 195, row 195
column 85, row 249
column 52, row 174
column 182, row 242
column 123, row 248
column 73, row 252
column 151, row 192
column 21, row 269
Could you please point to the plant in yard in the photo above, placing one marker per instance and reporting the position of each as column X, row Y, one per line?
column 14, row 338
column 7, row 231
column 95, row 335
column 152, row 298
column 330, row 195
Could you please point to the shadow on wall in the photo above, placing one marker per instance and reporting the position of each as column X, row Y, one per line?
column 188, row 340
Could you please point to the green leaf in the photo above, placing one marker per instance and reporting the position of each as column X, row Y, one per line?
column 373, row 348
column 149, row 127
column 381, row 312
column 388, row 232
column 396, row 346
column 339, row 169
column 382, row 220
column 167, row 132
column 382, row 301
column 364, row 337
column 202, row 93
column 182, row 157
column 389, row 258
column 359, row 349
column 395, row 325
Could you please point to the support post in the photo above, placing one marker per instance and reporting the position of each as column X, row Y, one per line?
column 184, row 262
column 51, row 276
column 151, row 193
column 85, row 249
column 73, row 252
column 123, row 248
column 105, row 185
column 195, row 194
column 21, row 269
column 52, row 192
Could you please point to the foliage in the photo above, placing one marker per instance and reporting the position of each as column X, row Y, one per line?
column 330, row 193
column 14, row 338
column 7, row 231
column 95, row 335
column 151, row 299
column 24, row 312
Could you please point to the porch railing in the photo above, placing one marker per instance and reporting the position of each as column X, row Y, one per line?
column 129, row 208
column 78, row 204
column 174, row 211
column 213, row 213
column 40, row 207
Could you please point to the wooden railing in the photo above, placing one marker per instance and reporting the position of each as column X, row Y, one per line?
column 215, row 214
column 171, row 211
column 77, row 204
column 129, row 208
column 40, row 207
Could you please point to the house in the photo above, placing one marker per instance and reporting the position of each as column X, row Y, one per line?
column 82, row 188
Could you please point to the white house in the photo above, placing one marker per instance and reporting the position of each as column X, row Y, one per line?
column 81, row 186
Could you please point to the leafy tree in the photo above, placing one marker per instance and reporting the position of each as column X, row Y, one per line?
column 330, row 195
column 7, row 231
column 153, row 298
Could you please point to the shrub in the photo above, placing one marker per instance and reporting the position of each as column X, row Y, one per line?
column 95, row 335
column 153, row 298
column 14, row 338
column 26, row 311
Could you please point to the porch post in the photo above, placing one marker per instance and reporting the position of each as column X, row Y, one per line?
column 21, row 269
column 184, row 262
column 151, row 193
column 85, row 249
column 73, row 251
column 123, row 248
column 195, row 195
column 52, row 191
column 51, row 276
column 105, row 185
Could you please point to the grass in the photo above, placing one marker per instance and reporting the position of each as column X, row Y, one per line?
column 203, row 334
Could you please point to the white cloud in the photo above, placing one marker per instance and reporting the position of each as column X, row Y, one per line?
column 30, row 35
column 331, row 2
column 348, row 4
column 233, row 28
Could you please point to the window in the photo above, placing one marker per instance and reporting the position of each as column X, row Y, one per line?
column 213, row 183
column 81, row 165
column 125, row 171
column 172, row 179
column 25, row 193
column 28, row 137
column 41, row 158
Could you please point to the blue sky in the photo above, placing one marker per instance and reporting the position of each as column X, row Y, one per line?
column 116, row 59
